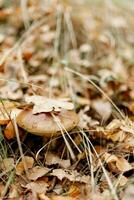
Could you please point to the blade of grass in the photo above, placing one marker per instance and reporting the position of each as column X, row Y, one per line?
column 97, row 87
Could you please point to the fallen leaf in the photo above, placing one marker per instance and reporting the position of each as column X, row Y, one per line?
column 52, row 159
column 25, row 162
column 7, row 164
column 70, row 175
column 2, row 186
column 123, row 181
column 11, row 91
column 131, row 107
column 14, row 194
column 117, row 164
column 42, row 196
column 114, row 124
column 43, row 104
column 60, row 197
column 9, row 131
column 109, row 157
column 103, row 108
column 123, row 165
column 118, row 136
column 37, row 172
column 129, row 192
column 37, row 187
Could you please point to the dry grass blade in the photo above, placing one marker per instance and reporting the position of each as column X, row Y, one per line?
column 97, row 87
column 19, row 144
column 113, row 192
column 25, row 13
column 22, row 40
column 67, row 143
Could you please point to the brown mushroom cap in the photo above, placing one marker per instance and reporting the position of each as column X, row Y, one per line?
column 44, row 124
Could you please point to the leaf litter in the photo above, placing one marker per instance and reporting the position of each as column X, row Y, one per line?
column 67, row 56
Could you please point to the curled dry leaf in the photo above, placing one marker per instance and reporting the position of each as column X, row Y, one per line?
column 123, row 165
column 37, row 172
column 25, row 162
column 117, row 164
column 109, row 158
column 70, row 175
column 74, row 191
column 43, row 104
column 52, row 159
column 9, row 131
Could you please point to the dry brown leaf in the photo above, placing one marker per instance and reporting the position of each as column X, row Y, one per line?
column 104, row 109
column 14, row 194
column 123, row 165
column 109, row 157
column 2, row 186
column 59, row 197
column 37, row 172
column 129, row 192
column 70, row 175
column 7, row 164
column 52, row 159
column 42, row 196
column 114, row 124
column 43, row 104
column 74, row 191
column 37, row 187
column 11, row 91
column 85, row 120
column 131, row 107
column 118, row 136
column 9, row 131
column 123, row 181
column 82, row 101
column 129, row 141
column 117, row 164
column 25, row 162
column 127, row 126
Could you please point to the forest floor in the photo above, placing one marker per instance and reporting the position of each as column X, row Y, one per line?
column 69, row 66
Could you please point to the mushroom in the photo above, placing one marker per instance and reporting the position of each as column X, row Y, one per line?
column 44, row 124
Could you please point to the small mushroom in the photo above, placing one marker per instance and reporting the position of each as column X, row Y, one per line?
column 44, row 124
